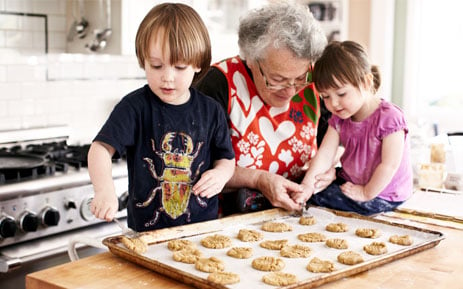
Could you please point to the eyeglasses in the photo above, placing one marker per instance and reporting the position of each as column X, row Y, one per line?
column 298, row 82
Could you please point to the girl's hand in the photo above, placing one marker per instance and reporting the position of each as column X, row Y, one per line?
column 304, row 194
column 355, row 192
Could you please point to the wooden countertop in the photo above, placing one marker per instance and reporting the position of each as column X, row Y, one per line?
column 438, row 267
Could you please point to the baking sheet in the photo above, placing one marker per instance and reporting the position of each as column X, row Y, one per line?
column 440, row 205
column 159, row 258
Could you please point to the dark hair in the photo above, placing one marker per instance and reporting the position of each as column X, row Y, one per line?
column 344, row 62
column 183, row 32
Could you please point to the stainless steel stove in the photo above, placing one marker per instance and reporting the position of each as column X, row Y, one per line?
column 44, row 194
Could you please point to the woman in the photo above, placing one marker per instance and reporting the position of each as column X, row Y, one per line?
column 272, row 107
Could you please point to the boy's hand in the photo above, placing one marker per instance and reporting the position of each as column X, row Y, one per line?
column 211, row 183
column 104, row 205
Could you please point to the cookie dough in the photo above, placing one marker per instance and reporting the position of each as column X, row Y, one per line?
column 337, row 243
column 307, row 220
column 224, row 278
column 276, row 227
column 209, row 265
column 279, row 279
column 350, row 258
column 368, row 233
column 273, row 244
column 250, row 235
column 295, row 251
column 216, row 241
column 376, row 248
column 268, row 263
column 240, row 252
column 404, row 240
column 312, row 237
column 187, row 255
column 134, row 244
column 337, row 227
column 317, row 265
column 179, row 244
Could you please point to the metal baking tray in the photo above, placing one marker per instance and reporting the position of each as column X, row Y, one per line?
column 159, row 259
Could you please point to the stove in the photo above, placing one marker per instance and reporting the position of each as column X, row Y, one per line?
column 45, row 192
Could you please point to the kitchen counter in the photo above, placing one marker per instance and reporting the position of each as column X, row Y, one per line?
column 438, row 267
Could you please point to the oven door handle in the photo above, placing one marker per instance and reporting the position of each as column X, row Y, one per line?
column 74, row 241
column 8, row 264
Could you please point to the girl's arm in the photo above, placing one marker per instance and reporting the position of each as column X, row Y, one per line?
column 321, row 163
column 391, row 156
column 104, row 204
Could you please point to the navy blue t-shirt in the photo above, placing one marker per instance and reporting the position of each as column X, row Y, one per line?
column 168, row 147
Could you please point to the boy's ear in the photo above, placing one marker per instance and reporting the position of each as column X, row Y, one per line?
column 197, row 70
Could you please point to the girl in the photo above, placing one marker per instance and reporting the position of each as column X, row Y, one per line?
column 376, row 173
column 176, row 139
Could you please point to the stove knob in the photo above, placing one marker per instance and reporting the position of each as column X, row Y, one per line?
column 123, row 200
column 7, row 227
column 50, row 217
column 29, row 222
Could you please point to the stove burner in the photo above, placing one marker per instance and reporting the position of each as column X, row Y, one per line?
column 38, row 160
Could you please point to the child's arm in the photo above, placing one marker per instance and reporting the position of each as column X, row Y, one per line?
column 322, row 161
column 391, row 155
column 104, row 204
column 212, row 181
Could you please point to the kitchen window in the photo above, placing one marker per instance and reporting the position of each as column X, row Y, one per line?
column 433, row 41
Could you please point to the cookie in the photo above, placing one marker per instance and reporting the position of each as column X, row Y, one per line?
column 368, row 233
column 337, row 227
column 295, row 251
column 279, row 279
column 268, row 263
column 317, row 265
column 307, row 220
column 178, row 244
column 312, row 237
column 187, row 255
column 376, row 248
column 250, row 235
column 273, row 244
column 216, row 241
column 134, row 244
column 224, row 278
column 209, row 265
column 337, row 243
column 276, row 227
column 350, row 258
column 240, row 252
column 404, row 240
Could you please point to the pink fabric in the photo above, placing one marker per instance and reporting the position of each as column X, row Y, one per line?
column 362, row 142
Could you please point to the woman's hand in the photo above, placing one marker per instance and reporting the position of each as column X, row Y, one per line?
column 278, row 190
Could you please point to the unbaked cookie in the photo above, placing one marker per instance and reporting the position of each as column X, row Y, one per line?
column 273, row 244
column 295, row 251
column 307, row 220
column 404, row 240
column 279, row 279
column 317, row 265
column 134, row 244
column 216, row 241
column 249, row 235
column 187, row 255
column 209, row 265
column 224, row 278
column 350, row 258
column 337, row 243
column 312, row 237
column 368, row 233
column 268, row 263
column 376, row 248
column 240, row 252
column 179, row 244
column 276, row 227
column 337, row 227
